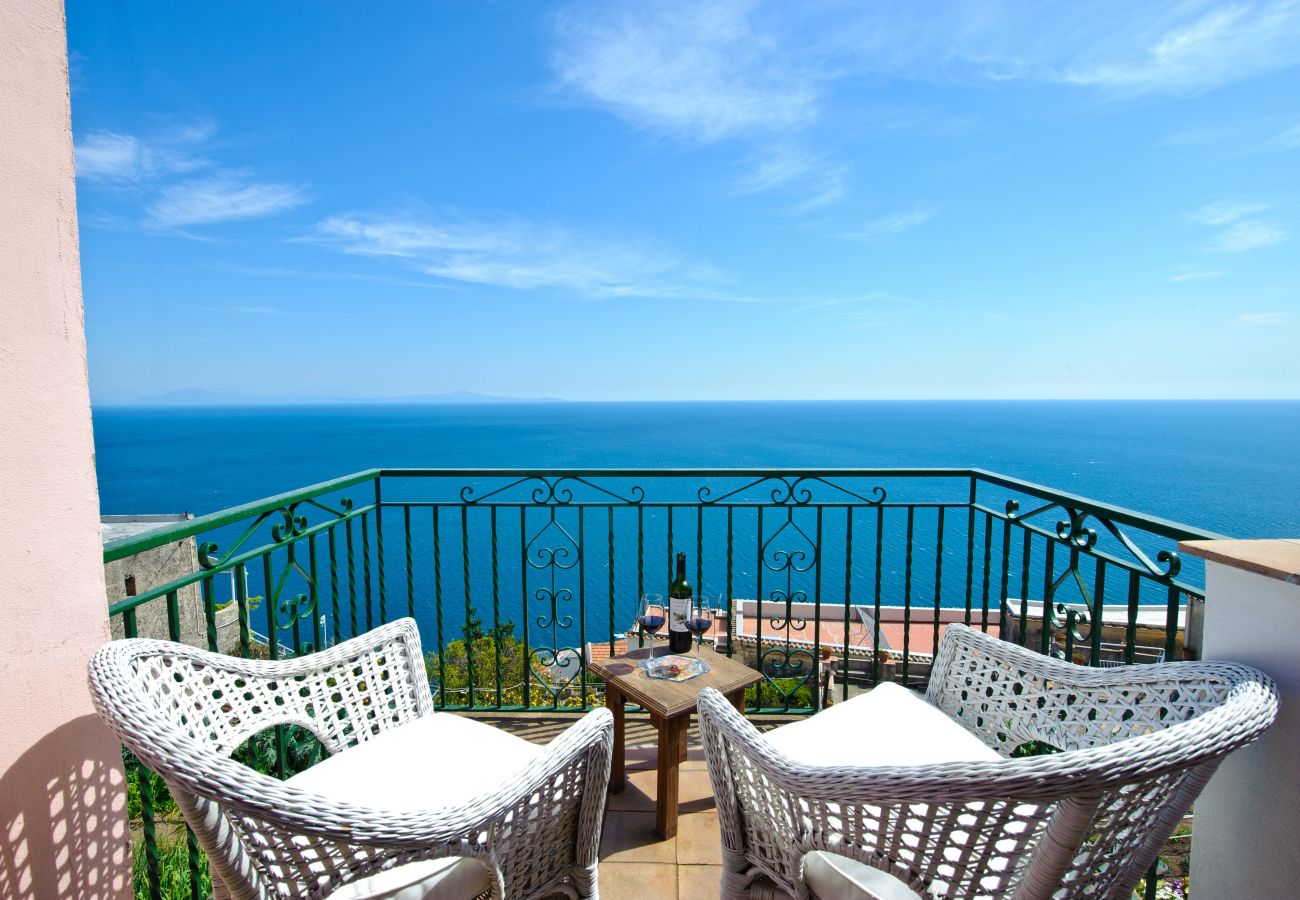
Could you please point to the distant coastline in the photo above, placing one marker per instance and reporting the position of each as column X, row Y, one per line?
column 203, row 398
column 199, row 399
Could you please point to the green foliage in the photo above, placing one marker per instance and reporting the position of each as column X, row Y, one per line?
column 173, row 871
column 452, row 674
column 301, row 751
column 780, row 693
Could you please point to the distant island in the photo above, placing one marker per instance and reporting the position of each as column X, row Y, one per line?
column 202, row 397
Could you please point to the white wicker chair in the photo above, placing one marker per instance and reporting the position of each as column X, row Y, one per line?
column 1139, row 744
column 529, row 829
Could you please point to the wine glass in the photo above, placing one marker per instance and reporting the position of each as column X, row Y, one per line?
column 652, row 614
column 699, row 619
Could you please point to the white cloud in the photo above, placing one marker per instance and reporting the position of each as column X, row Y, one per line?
column 1249, row 235
column 892, row 224
column 162, row 173
column 1289, row 139
column 702, row 70
column 1260, row 319
column 1203, row 48
column 1195, row 276
column 1225, row 212
column 820, row 180
column 739, row 67
column 245, row 310
column 222, row 197
column 1240, row 226
column 522, row 255
column 116, row 157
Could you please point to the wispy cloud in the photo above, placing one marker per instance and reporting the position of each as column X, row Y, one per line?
column 1249, row 235
column 328, row 275
column 763, row 72
column 244, row 310
column 890, row 225
column 223, row 197
column 821, row 181
column 1239, row 225
column 873, row 309
column 1261, row 319
column 1288, row 139
column 1195, row 276
column 175, row 182
column 715, row 70
column 701, row 70
column 515, row 253
column 1225, row 212
column 111, row 156
column 1191, row 49
column 705, row 72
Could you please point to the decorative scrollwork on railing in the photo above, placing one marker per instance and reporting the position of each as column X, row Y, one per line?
column 1074, row 532
column 788, row 621
column 790, row 491
column 782, row 665
column 553, row 599
column 558, row 671
column 292, row 525
column 286, row 609
column 554, row 551
column 549, row 490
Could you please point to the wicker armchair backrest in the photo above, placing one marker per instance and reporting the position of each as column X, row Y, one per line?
column 1141, row 743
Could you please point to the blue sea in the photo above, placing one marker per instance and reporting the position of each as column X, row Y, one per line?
column 1227, row 467
column 1231, row 467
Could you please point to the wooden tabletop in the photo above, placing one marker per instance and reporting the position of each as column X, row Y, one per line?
column 672, row 698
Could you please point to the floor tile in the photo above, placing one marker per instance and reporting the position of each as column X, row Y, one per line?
column 698, row 841
column 698, row 882
column 638, row 881
column 638, row 793
column 630, row 837
column 694, row 792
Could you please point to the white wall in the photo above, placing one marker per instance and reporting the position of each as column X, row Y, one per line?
column 1246, row 831
column 62, row 800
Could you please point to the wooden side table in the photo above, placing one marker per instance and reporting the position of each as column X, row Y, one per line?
column 670, row 704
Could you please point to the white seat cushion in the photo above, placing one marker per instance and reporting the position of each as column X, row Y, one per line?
column 835, row 877
column 888, row 726
column 438, row 760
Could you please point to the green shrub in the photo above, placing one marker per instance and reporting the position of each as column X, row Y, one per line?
column 173, row 870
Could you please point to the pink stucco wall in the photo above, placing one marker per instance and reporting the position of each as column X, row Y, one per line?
column 63, row 829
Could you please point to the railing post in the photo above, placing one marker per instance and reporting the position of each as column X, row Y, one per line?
column 1243, row 840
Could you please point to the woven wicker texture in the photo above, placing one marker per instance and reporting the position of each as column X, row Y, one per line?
column 182, row 711
column 1140, row 742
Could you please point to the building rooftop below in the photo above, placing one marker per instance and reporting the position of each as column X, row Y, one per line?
column 116, row 528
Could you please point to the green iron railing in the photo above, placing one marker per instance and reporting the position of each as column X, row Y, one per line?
column 514, row 576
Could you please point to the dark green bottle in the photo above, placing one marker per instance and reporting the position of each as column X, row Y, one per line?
column 679, row 608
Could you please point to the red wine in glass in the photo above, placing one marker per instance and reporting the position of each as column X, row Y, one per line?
column 699, row 620
column 652, row 615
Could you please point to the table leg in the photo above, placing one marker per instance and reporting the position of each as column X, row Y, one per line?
column 737, row 699
column 672, row 733
column 614, row 703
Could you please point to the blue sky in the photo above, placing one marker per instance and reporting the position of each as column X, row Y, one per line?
column 690, row 200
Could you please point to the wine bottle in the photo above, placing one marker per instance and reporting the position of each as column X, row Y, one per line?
column 679, row 607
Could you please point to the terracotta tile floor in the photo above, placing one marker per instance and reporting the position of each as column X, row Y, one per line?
column 635, row 862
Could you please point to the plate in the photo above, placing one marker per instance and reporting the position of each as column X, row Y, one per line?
column 675, row 668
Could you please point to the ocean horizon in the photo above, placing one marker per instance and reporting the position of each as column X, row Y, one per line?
column 1229, row 466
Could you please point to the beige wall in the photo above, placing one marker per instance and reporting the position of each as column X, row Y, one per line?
column 1244, row 830
column 62, row 803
